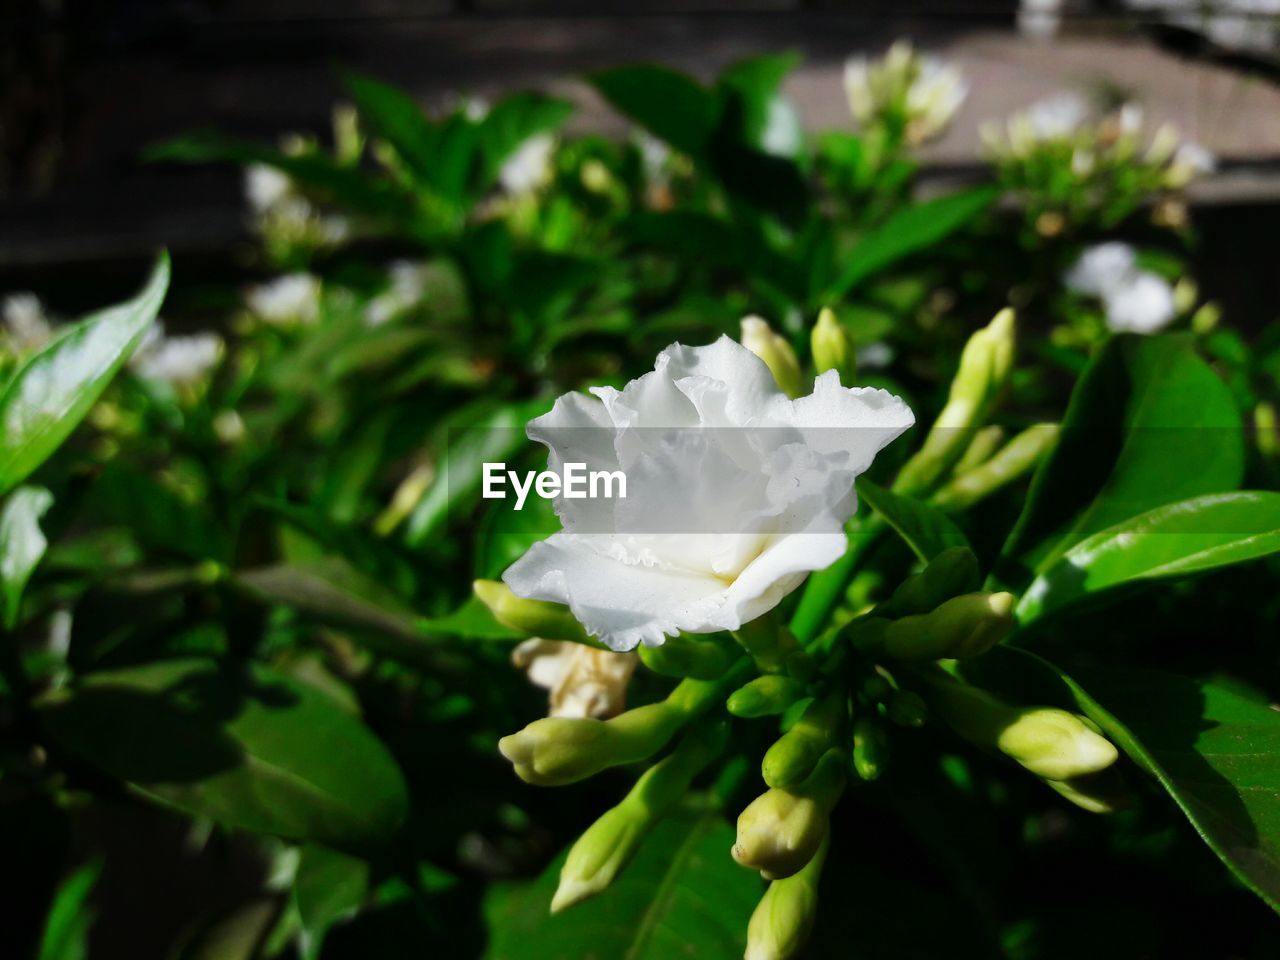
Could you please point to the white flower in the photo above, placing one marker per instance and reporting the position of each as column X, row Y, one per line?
column 584, row 681
column 1142, row 304
column 265, row 187
column 291, row 299
column 934, row 98
column 1056, row 117
column 26, row 325
column 654, row 156
column 181, row 361
column 1135, row 300
column 405, row 290
column 734, row 493
column 1190, row 160
column 1100, row 268
column 529, row 166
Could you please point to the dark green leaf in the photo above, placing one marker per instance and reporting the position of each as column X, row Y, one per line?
column 246, row 747
column 1148, row 424
column 22, row 545
column 926, row 530
column 910, row 230
column 1175, row 540
column 682, row 896
column 671, row 106
column 51, row 393
column 396, row 117
column 328, row 887
column 512, row 121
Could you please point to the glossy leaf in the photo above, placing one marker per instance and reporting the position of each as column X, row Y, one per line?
column 1179, row 539
column 670, row 105
column 682, row 895
column 910, row 230
column 396, row 117
column 926, row 530
column 22, row 545
column 1148, row 424
column 248, row 748
column 1215, row 752
column 328, row 887
column 66, row 931
column 54, row 390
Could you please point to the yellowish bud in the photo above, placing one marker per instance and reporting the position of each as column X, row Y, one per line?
column 831, row 347
column 781, row 830
column 550, row 621
column 963, row 626
column 784, row 917
column 1016, row 458
column 776, row 352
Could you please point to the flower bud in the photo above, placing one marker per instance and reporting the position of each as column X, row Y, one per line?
column 984, row 443
column 765, row 696
column 870, row 749
column 952, row 572
column 832, row 348
column 776, row 352
column 1267, row 429
column 609, row 843
column 962, row 627
column 1051, row 743
column 1099, row 793
column 985, row 366
column 1019, row 456
column 774, row 648
column 550, row 621
column 682, row 656
column 908, row 709
column 784, row 917
column 793, row 756
column 781, row 830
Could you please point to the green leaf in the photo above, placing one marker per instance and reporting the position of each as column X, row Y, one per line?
column 1215, row 752
column 926, row 530
column 670, row 105
column 910, row 230
column 51, row 393
column 22, row 545
column 397, row 118
column 512, row 121
column 1175, row 540
column 682, row 896
column 328, row 887
column 247, row 747
column 1149, row 423
column 66, row 931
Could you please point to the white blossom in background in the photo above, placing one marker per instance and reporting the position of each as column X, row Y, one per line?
column 1039, row 19
column 407, row 285
column 280, row 211
column 582, row 681
column 920, row 89
column 1246, row 25
column 288, row 300
column 183, row 361
column 529, row 167
column 27, row 327
column 1056, row 117
column 265, row 186
column 1134, row 300
column 654, row 156
column 734, row 494
column 1190, row 160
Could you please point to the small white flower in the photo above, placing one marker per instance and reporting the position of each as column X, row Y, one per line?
column 529, row 167
column 583, row 681
column 1143, row 303
column 26, row 325
column 406, row 287
column 654, row 156
column 1057, row 117
column 182, row 361
column 734, row 493
column 1100, row 268
column 1135, row 300
column 921, row 90
column 291, row 299
column 1190, row 160
column 265, row 187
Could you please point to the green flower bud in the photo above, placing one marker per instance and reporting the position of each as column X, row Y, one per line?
column 1051, row 743
column 559, row 750
column 782, row 920
column 984, row 443
column 793, row 756
column 781, row 830
column 908, row 709
column 949, row 574
column 1016, row 458
column 774, row 648
column 609, row 843
column 1206, row 318
column 1267, row 430
column 683, row 656
column 962, row 627
column 832, row 348
column 765, row 696
column 870, row 748
column 776, row 352
column 1100, row 793
column 550, row 621
column 985, row 366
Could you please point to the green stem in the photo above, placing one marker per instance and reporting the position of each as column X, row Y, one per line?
column 824, row 589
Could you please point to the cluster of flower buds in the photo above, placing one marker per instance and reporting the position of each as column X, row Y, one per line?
column 911, row 97
column 1074, row 171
